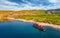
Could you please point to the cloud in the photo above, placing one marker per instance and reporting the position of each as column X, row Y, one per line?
column 28, row 5
column 6, row 2
column 7, row 5
column 10, row 3
column 55, row 4
column 54, row 1
column 4, row 7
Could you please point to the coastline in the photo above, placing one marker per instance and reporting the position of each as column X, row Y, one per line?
column 43, row 24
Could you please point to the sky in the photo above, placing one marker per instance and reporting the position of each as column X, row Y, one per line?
column 29, row 4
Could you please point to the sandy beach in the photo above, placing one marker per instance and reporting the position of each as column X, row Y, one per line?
column 43, row 24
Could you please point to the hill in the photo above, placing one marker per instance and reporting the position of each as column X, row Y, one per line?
column 57, row 11
column 36, row 15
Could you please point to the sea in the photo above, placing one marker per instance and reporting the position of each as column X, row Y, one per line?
column 20, row 29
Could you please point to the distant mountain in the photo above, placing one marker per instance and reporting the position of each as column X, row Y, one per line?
column 57, row 9
column 51, row 11
column 54, row 10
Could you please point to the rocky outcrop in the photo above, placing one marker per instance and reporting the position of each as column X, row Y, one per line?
column 40, row 27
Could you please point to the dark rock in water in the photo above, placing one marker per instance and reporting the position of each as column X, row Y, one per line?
column 40, row 27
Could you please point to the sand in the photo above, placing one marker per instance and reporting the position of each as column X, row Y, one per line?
column 43, row 24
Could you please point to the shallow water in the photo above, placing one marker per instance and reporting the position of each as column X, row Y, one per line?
column 19, row 29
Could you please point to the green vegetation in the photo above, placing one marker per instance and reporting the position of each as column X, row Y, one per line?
column 36, row 15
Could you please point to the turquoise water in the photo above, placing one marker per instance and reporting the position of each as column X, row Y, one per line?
column 19, row 29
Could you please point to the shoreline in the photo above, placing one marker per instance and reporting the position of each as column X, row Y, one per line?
column 43, row 24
